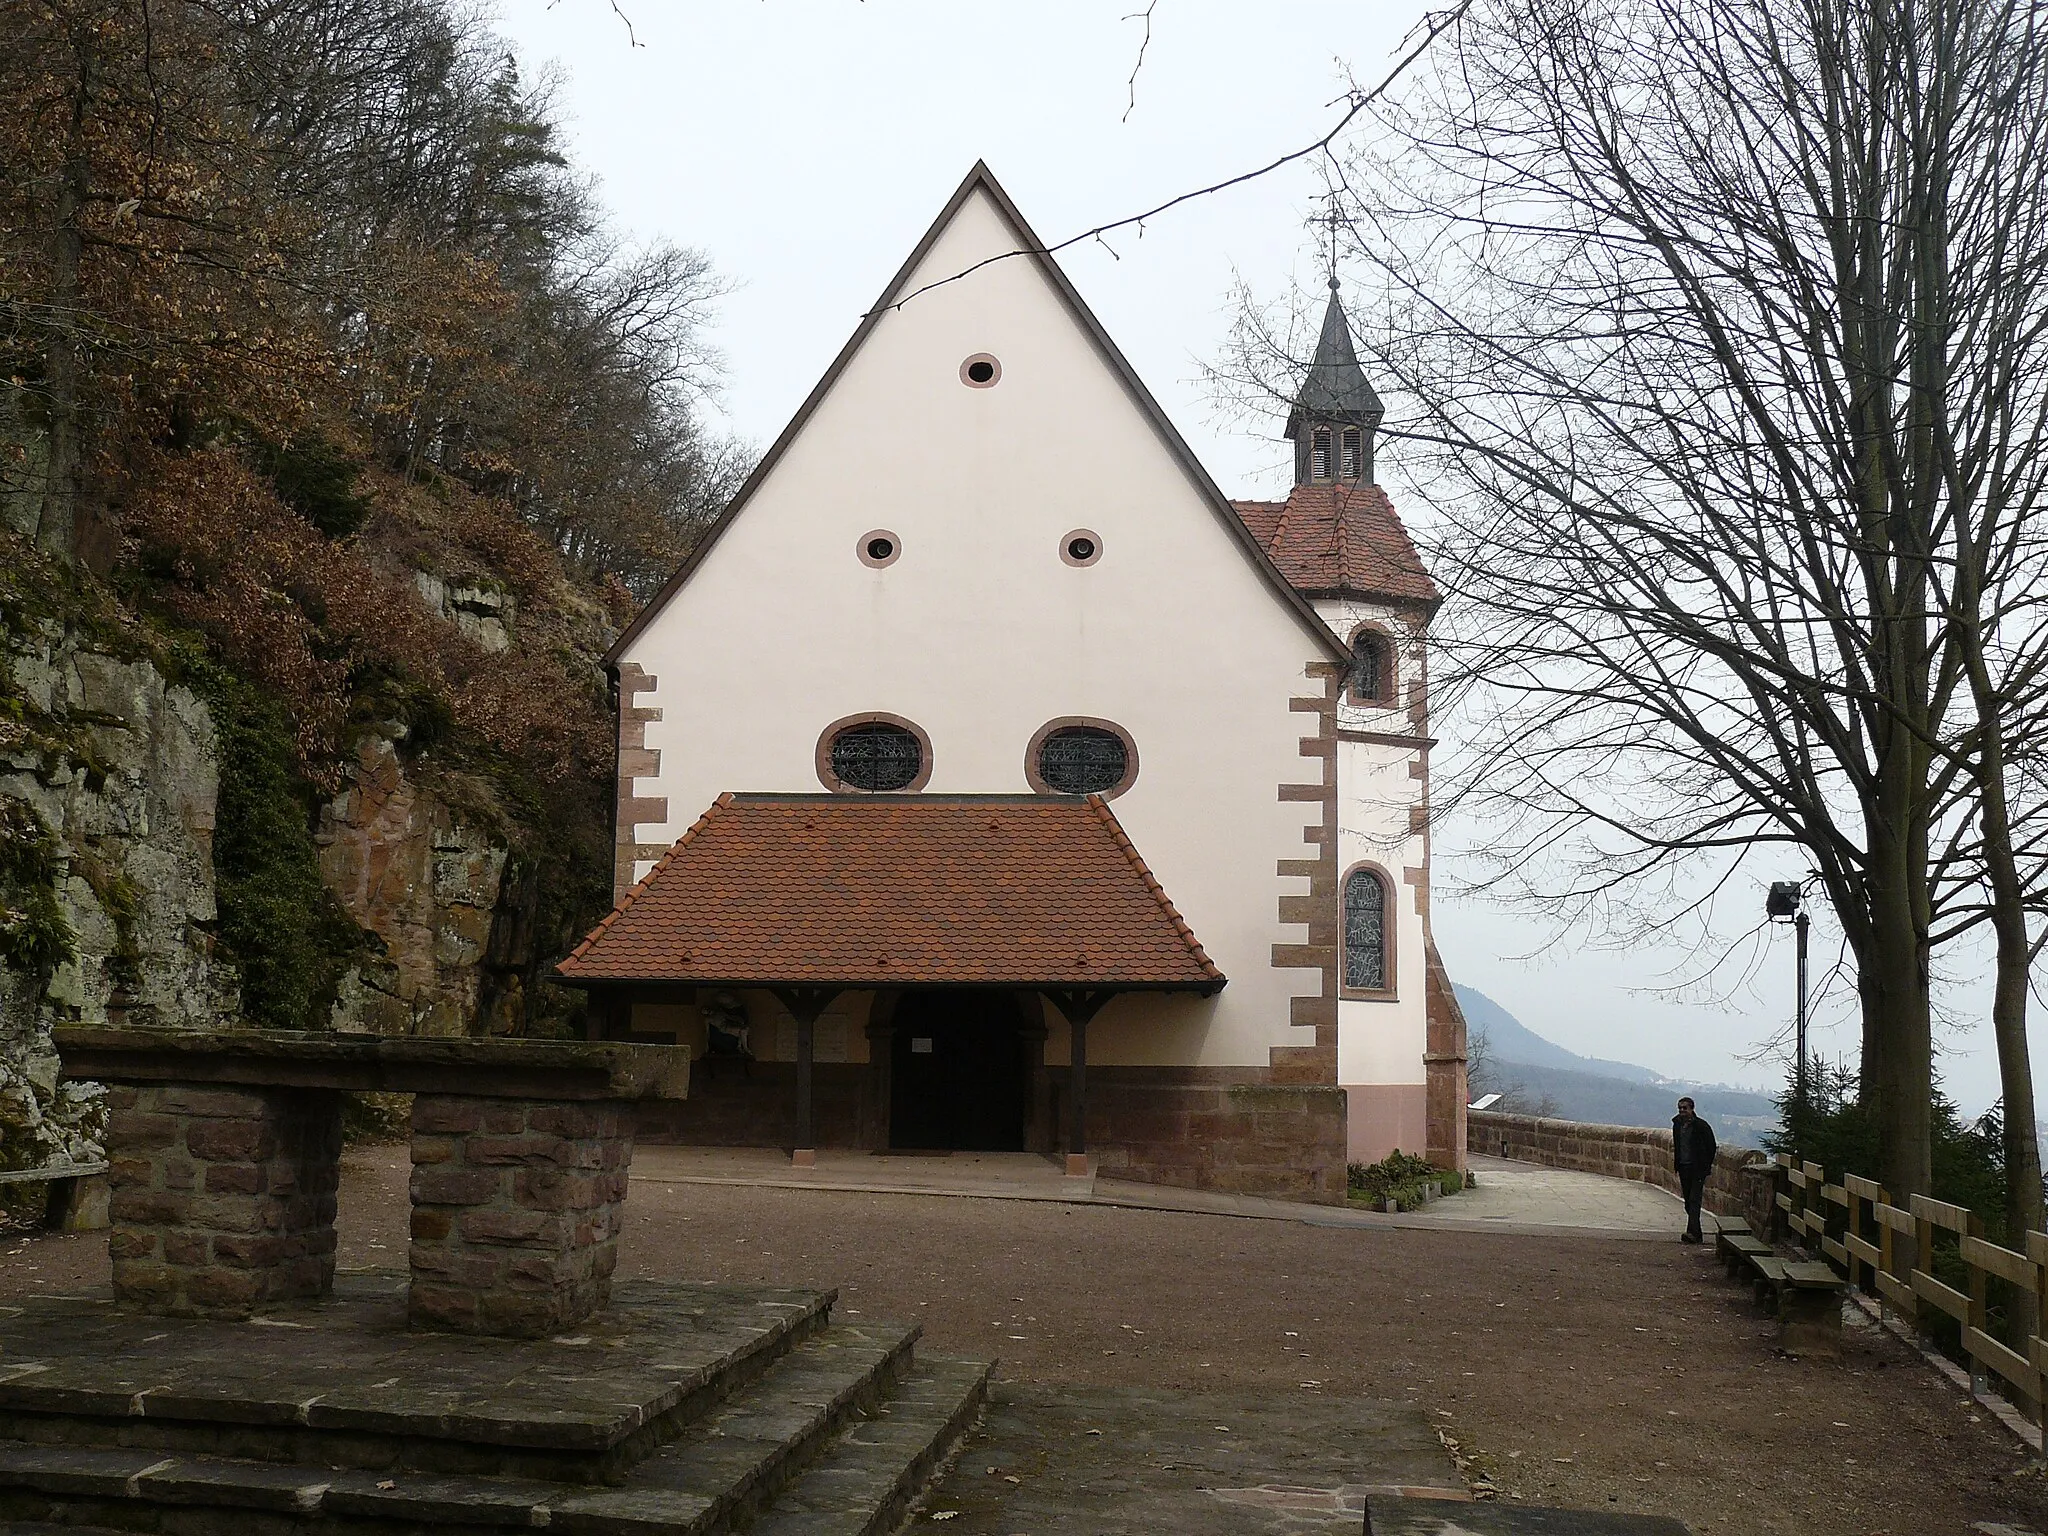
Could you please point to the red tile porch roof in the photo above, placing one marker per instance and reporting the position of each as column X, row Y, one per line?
column 899, row 890
column 1337, row 537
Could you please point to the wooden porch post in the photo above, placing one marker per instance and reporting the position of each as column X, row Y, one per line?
column 805, row 1004
column 1079, row 1006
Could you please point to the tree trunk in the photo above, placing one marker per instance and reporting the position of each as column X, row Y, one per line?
column 1898, row 1044
column 2023, row 1213
column 56, row 522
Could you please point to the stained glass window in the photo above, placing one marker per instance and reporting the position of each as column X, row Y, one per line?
column 877, row 756
column 1365, row 931
column 1082, row 760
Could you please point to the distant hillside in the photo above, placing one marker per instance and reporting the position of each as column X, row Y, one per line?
column 1531, row 1070
column 1514, row 1041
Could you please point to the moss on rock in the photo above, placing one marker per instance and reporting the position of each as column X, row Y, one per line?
column 278, row 922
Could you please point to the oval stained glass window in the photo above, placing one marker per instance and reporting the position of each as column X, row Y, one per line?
column 877, row 757
column 1083, row 760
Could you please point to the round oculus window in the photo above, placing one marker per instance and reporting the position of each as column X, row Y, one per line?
column 877, row 757
column 1083, row 760
column 878, row 547
column 1081, row 546
column 980, row 371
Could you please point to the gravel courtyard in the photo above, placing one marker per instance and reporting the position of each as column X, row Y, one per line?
column 1575, row 1371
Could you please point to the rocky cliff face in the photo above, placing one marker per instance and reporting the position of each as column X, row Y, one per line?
column 119, row 766
column 114, row 769
column 406, row 869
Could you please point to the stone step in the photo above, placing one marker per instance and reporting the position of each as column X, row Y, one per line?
column 844, row 1414
column 1438, row 1517
column 863, row 1484
column 348, row 1383
column 737, row 1458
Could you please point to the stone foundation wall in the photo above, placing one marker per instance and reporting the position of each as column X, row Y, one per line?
column 1734, row 1188
column 1246, row 1138
column 728, row 1108
column 517, row 1206
column 1178, row 1126
column 222, row 1198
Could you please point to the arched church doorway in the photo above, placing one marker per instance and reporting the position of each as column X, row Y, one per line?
column 957, row 1072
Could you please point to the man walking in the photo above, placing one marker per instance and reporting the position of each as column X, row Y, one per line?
column 1692, row 1152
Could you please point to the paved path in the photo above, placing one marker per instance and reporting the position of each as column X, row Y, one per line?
column 1524, row 1194
column 1515, row 1198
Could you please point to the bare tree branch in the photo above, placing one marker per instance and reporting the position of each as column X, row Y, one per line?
column 1432, row 27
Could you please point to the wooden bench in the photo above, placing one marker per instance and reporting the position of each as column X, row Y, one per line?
column 77, row 1197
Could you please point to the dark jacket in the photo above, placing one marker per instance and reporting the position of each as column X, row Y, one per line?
column 1692, row 1148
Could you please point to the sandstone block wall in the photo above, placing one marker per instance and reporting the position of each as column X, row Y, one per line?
column 1158, row 1125
column 1623, row 1152
column 222, row 1199
column 1281, row 1140
column 517, row 1206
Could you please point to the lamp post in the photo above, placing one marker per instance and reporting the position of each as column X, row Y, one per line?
column 1787, row 900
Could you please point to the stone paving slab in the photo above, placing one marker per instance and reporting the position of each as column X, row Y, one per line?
column 1421, row 1517
column 350, row 1364
column 987, row 1175
column 857, row 1424
column 1514, row 1199
column 1110, row 1461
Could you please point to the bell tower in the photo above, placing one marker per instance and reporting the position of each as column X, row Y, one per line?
column 1336, row 414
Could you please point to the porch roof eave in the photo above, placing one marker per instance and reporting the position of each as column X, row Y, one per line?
column 587, row 983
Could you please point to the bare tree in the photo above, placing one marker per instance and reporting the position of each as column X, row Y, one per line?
column 1486, row 1073
column 1723, row 322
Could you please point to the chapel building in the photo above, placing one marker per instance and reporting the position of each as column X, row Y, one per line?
column 988, row 780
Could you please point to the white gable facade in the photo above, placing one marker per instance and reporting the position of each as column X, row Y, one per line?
column 980, row 530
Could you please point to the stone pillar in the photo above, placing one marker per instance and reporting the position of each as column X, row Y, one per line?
column 222, row 1198
column 516, row 1210
column 1443, row 1058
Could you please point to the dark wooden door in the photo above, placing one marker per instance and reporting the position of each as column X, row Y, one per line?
column 957, row 1075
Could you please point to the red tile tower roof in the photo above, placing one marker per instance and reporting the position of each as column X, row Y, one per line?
column 899, row 890
column 1336, row 537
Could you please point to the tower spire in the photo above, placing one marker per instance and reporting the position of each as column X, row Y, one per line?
column 1336, row 412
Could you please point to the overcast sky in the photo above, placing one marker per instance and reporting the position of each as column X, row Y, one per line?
column 806, row 144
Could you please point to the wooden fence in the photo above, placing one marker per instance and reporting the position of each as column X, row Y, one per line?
column 1892, row 1253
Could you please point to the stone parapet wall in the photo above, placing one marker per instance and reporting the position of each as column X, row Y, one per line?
column 1734, row 1188
column 1247, row 1138
column 222, row 1199
column 517, row 1207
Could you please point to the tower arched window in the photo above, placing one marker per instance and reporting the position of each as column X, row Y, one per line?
column 1368, row 963
column 1351, row 456
column 1320, row 465
column 1372, row 668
